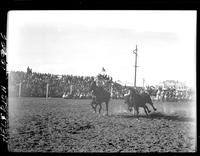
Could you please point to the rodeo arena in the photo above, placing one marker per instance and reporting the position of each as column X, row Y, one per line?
column 66, row 113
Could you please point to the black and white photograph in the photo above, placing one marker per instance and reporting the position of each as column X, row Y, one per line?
column 101, row 81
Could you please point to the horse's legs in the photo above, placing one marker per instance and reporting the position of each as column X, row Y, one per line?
column 107, row 107
column 153, row 106
column 136, row 109
column 100, row 107
column 95, row 107
column 92, row 104
column 145, row 110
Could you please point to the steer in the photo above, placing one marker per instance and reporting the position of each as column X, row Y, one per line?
column 138, row 100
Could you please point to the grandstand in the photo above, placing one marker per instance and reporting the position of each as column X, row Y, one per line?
column 32, row 84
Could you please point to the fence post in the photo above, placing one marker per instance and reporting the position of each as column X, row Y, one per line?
column 20, row 86
column 47, row 90
column 71, row 89
column 111, row 91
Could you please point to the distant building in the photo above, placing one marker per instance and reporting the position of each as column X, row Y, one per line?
column 172, row 84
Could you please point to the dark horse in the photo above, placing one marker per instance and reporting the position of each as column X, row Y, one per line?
column 136, row 100
column 99, row 96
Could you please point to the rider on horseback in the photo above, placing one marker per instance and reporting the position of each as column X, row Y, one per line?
column 96, row 83
column 99, row 96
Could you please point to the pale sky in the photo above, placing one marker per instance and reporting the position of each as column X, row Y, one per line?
column 82, row 42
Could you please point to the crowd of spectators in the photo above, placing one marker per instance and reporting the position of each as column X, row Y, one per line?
column 172, row 94
column 34, row 84
column 169, row 94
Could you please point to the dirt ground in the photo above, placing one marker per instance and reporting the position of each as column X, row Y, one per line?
column 61, row 125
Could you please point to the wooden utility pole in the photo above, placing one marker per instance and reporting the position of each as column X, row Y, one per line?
column 135, row 52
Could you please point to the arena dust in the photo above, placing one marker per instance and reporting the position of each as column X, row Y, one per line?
column 66, row 125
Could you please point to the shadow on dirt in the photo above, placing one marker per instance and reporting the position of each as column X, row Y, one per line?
column 157, row 115
column 76, row 128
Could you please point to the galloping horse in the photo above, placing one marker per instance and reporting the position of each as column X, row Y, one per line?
column 139, row 100
column 99, row 96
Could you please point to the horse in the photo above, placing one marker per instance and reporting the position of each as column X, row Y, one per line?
column 99, row 96
column 139, row 100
